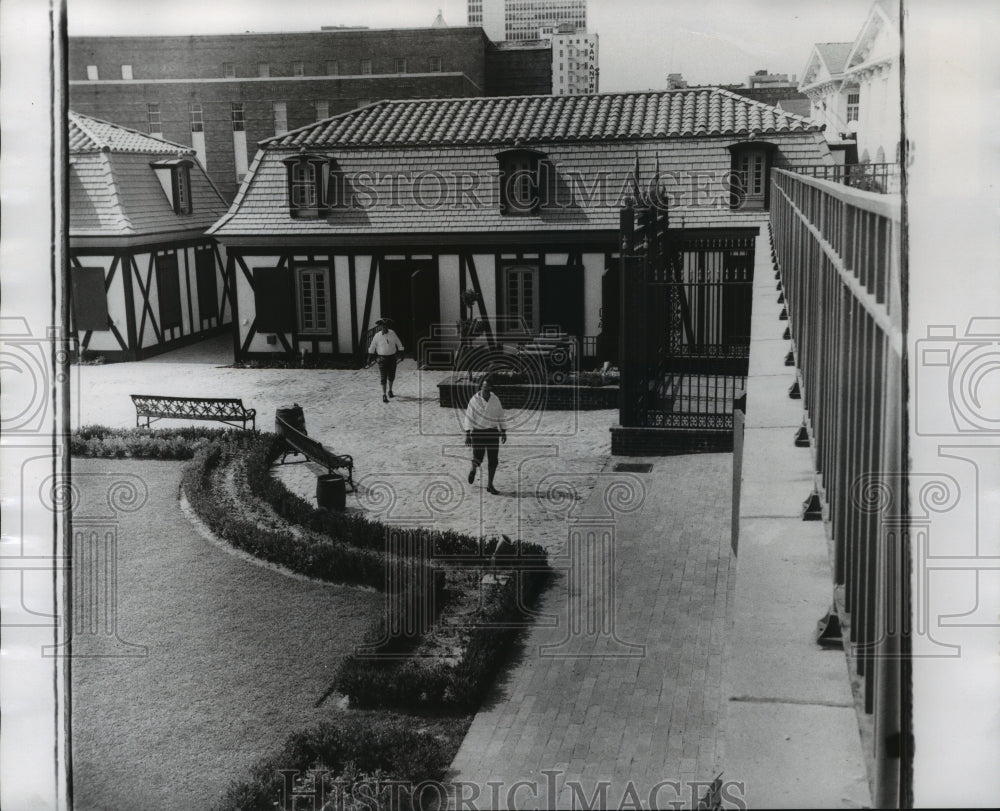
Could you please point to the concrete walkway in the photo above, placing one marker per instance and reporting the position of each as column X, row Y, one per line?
column 617, row 702
column 792, row 729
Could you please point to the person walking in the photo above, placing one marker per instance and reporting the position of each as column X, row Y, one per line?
column 485, row 428
column 387, row 348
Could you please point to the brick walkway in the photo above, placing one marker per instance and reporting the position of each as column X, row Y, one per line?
column 643, row 719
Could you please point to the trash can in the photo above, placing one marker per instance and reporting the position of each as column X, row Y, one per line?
column 291, row 415
column 331, row 491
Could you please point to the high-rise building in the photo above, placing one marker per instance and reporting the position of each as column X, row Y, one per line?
column 525, row 19
column 574, row 60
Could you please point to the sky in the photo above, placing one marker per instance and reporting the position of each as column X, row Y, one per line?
column 641, row 41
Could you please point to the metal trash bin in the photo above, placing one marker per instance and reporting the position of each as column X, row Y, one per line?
column 291, row 415
column 331, row 491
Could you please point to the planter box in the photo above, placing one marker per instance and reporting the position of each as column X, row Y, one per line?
column 457, row 390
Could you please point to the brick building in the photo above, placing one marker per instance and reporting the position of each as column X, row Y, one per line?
column 223, row 93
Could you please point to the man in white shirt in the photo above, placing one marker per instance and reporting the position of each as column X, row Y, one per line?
column 485, row 428
column 387, row 347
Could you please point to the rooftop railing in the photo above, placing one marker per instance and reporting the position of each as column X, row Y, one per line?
column 882, row 178
column 838, row 253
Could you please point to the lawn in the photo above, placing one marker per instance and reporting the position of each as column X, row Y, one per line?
column 239, row 656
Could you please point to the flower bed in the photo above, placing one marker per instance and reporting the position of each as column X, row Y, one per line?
column 516, row 391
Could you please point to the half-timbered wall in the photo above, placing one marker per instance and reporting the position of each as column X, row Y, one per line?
column 270, row 294
column 141, row 318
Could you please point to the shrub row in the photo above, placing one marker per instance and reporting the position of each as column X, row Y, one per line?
column 352, row 528
column 143, row 443
column 344, row 550
column 364, row 762
column 438, row 683
column 321, row 558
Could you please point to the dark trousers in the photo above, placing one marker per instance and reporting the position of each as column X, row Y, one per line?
column 387, row 368
column 486, row 441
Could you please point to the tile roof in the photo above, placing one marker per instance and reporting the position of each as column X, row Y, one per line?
column 88, row 134
column 537, row 119
column 454, row 190
column 834, row 55
column 114, row 192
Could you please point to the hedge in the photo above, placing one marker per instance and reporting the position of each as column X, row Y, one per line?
column 377, row 759
column 437, row 684
column 315, row 557
column 143, row 443
column 344, row 551
column 351, row 527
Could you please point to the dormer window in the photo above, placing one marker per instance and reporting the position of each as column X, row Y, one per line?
column 520, row 181
column 174, row 176
column 315, row 185
column 750, row 175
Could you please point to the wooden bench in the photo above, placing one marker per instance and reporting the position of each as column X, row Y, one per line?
column 229, row 411
column 298, row 442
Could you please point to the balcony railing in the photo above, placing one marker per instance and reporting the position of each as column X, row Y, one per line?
column 882, row 178
column 838, row 252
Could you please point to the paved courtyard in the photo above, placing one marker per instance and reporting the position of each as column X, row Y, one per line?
column 409, row 455
column 618, row 679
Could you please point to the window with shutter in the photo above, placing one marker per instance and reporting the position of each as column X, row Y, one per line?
column 168, row 290
column 272, row 293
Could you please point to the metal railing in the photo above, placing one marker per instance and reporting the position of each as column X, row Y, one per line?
column 882, row 178
column 838, row 254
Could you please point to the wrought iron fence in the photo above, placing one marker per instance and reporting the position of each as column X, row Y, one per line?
column 838, row 251
column 877, row 177
column 685, row 323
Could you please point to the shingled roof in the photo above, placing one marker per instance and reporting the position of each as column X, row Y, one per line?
column 113, row 190
column 536, row 119
column 88, row 134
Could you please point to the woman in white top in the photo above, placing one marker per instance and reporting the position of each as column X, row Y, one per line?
column 485, row 429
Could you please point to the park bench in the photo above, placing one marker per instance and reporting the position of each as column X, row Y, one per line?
column 298, row 442
column 222, row 409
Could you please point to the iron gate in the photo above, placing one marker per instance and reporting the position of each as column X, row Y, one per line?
column 685, row 323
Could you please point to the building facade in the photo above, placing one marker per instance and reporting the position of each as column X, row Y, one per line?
column 221, row 94
column 854, row 87
column 519, row 68
column 831, row 103
column 516, row 199
column 575, row 68
column 521, row 20
column 143, row 276
column 873, row 68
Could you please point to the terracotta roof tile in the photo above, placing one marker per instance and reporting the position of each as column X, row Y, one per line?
column 507, row 120
column 88, row 134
